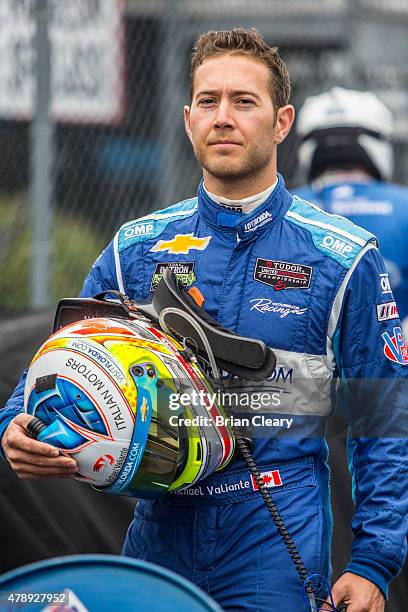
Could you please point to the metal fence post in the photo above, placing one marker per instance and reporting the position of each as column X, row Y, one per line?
column 41, row 162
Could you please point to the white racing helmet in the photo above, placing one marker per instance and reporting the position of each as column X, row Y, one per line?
column 345, row 128
column 116, row 390
column 101, row 391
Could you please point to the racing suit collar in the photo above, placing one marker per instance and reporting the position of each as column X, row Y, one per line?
column 250, row 225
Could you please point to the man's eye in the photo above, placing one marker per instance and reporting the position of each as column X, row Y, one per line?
column 206, row 101
column 245, row 101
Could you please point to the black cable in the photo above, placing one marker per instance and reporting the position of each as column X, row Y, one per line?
column 270, row 504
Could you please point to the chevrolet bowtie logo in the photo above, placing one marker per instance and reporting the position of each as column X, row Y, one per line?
column 181, row 244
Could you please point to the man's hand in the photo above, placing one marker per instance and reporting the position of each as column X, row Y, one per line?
column 32, row 459
column 358, row 594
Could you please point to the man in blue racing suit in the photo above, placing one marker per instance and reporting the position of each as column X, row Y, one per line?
column 310, row 285
column 347, row 156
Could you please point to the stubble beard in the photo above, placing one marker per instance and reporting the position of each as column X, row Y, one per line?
column 249, row 166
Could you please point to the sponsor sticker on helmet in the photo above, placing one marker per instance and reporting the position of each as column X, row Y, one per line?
column 387, row 311
column 103, row 461
column 184, row 271
column 282, row 274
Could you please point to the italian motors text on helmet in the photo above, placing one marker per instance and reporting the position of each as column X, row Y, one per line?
column 102, row 390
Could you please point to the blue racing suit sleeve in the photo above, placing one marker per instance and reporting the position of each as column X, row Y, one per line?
column 104, row 274
column 371, row 357
column 102, row 277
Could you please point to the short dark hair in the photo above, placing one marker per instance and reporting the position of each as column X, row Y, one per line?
column 242, row 41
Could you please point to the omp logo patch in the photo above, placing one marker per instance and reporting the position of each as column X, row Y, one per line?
column 282, row 274
column 184, row 271
column 270, row 479
column 394, row 346
column 181, row 244
column 385, row 283
column 139, row 230
column 387, row 311
column 337, row 245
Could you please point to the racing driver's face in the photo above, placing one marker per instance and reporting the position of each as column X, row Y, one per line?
column 233, row 126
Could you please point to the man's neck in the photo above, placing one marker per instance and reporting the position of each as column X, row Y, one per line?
column 239, row 188
column 244, row 205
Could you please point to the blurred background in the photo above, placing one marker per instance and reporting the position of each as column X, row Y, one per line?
column 114, row 76
column 91, row 135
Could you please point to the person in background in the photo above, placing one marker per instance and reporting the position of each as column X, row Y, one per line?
column 347, row 156
column 346, row 153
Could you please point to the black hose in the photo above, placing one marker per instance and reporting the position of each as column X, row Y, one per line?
column 270, row 504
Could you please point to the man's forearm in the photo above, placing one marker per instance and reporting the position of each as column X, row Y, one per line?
column 13, row 406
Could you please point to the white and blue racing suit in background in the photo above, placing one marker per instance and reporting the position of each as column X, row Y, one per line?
column 379, row 207
column 314, row 288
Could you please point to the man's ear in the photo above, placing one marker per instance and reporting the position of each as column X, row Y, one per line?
column 284, row 121
column 187, row 121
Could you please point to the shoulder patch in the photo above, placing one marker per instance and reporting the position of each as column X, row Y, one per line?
column 333, row 235
column 152, row 225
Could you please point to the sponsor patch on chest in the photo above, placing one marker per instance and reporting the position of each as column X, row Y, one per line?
column 181, row 244
column 184, row 271
column 282, row 274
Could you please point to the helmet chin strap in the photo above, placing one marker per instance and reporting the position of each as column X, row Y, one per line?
column 187, row 340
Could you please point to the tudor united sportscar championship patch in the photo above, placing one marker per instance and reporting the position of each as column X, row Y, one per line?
column 282, row 274
column 184, row 271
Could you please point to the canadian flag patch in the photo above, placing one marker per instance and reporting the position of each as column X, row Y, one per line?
column 271, row 479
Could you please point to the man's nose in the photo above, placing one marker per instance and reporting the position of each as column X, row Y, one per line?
column 224, row 118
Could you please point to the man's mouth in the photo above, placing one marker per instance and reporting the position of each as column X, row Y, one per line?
column 225, row 143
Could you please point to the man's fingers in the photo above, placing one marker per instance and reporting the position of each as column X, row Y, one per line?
column 30, row 468
column 22, row 419
column 358, row 593
column 18, row 458
column 31, row 459
column 22, row 442
column 340, row 596
column 339, row 605
column 18, row 437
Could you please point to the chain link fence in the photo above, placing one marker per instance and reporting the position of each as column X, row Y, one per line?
column 120, row 73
